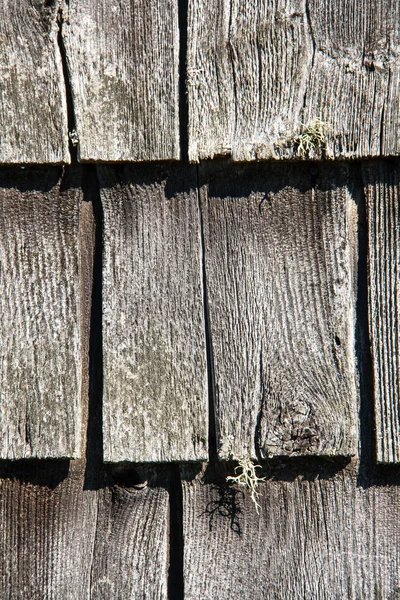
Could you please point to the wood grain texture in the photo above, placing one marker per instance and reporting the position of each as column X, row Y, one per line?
column 155, row 388
column 279, row 271
column 59, row 540
column 40, row 325
column 319, row 536
column 130, row 559
column 33, row 113
column 123, row 64
column 48, row 526
column 382, row 190
column 259, row 71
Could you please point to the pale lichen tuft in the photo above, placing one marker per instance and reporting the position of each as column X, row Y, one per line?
column 312, row 139
column 247, row 477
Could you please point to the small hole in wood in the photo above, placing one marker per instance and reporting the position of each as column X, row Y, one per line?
column 128, row 476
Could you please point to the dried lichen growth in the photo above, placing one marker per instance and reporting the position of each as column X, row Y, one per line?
column 312, row 138
column 247, row 477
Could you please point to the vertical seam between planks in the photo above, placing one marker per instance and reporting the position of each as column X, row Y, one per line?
column 370, row 444
column 212, row 428
column 176, row 581
column 390, row 257
column 94, row 436
column 183, row 92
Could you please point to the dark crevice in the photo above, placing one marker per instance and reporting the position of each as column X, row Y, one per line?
column 260, row 413
column 73, row 149
column 212, row 427
column 176, row 567
column 314, row 49
column 363, row 351
column 183, row 100
column 309, row 21
column 95, row 472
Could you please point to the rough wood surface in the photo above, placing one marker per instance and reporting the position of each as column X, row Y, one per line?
column 40, row 351
column 155, row 388
column 382, row 190
column 130, row 559
column 259, row 71
column 123, row 65
column 59, row 540
column 318, row 536
column 33, row 113
column 47, row 533
column 279, row 273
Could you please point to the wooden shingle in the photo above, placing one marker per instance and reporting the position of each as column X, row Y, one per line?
column 318, row 535
column 280, row 274
column 40, row 324
column 260, row 73
column 155, row 376
column 123, row 67
column 33, row 109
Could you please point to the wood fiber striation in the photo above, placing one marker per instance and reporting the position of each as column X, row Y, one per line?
column 130, row 557
column 40, row 307
column 33, row 115
column 271, row 68
column 319, row 534
column 155, row 374
column 60, row 539
column 47, row 533
column 382, row 191
column 123, row 60
column 280, row 281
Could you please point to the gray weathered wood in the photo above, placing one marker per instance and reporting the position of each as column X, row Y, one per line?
column 319, row 537
column 155, row 389
column 382, row 190
column 40, row 359
column 59, row 539
column 258, row 71
column 47, row 533
column 33, row 114
column 130, row 559
column 279, row 272
column 87, row 231
column 123, row 65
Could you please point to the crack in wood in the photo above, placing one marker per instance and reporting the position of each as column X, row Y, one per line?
column 72, row 134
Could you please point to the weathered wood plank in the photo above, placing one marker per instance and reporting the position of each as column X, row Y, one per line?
column 33, row 113
column 40, row 326
column 59, row 539
column 321, row 536
column 123, row 65
column 270, row 68
column 354, row 82
column 47, row 532
column 130, row 559
column 382, row 190
column 279, row 271
column 155, row 389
